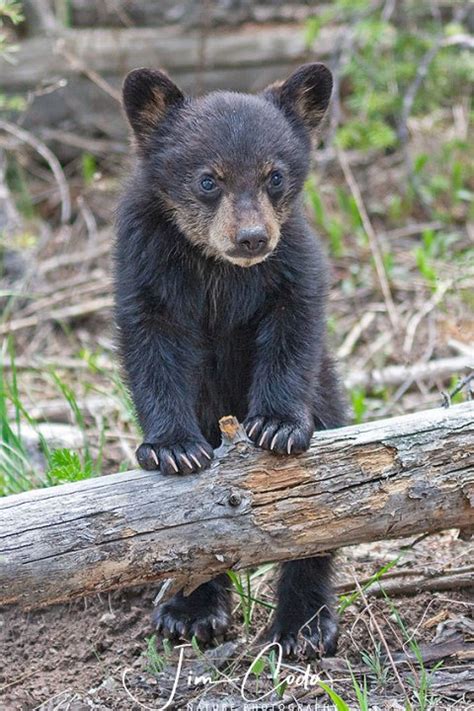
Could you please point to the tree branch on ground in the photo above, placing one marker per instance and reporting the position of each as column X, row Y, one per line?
column 385, row 479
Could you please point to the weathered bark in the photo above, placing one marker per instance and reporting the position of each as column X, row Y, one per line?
column 385, row 479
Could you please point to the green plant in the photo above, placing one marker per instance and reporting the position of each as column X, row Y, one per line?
column 421, row 679
column 9, row 10
column 64, row 466
column 346, row 600
column 375, row 661
column 18, row 184
column 434, row 246
column 156, row 662
column 89, row 168
column 279, row 686
column 241, row 583
column 68, row 394
column 359, row 403
column 196, row 647
column 243, row 586
column 338, row 702
column 119, row 390
column 361, row 693
column 374, row 133
column 16, row 473
column 257, row 669
column 63, row 11
column 332, row 226
column 425, row 267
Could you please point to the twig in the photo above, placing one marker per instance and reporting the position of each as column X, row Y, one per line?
column 67, row 312
column 397, row 374
column 49, row 157
column 58, row 363
column 461, row 40
column 372, row 237
column 339, row 59
column 67, row 260
column 57, row 285
column 18, row 679
column 415, row 321
column 462, row 348
column 422, row 71
column 410, row 96
column 431, row 584
column 354, row 334
column 388, row 10
column 205, row 26
column 10, row 219
column 77, row 64
column 84, row 143
column 44, row 17
column 408, row 382
column 383, row 640
column 89, row 219
column 93, row 286
column 58, row 410
column 437, row 580
column 383, row 340
column 413, row 229
column 463, row 383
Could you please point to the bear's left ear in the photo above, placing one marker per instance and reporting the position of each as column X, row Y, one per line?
column 148, row 95
column 305, row 93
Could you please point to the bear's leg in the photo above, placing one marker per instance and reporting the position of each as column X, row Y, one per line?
column 305, row 620
column 205, row 613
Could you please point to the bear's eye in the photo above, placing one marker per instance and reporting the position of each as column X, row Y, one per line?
column 276, row 179
column 208, row 184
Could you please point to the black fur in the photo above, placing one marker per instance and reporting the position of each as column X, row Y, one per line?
column 201, row 337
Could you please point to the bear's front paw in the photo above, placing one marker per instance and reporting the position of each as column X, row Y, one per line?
column 279, row 436
column 181, row 458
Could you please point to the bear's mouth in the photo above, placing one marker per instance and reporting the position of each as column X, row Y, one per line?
column 234, row 256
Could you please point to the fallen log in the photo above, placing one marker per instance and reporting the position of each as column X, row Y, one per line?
column 385, row 479
column 113, row 52
column 89, row 77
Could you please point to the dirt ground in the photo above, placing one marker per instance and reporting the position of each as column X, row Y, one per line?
column 93, row 653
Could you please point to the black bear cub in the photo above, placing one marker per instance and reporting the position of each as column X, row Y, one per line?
column 220, row 303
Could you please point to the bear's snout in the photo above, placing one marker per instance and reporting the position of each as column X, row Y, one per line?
column 251, row 241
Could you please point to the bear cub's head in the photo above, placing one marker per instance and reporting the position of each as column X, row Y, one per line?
column 227, row 167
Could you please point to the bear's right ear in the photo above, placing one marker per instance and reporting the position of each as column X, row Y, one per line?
column 147, row 96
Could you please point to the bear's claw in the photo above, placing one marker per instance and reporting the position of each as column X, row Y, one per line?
column 279, row 436
column 183, row 458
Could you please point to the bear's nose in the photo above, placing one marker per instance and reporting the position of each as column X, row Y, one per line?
column 252, row 239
